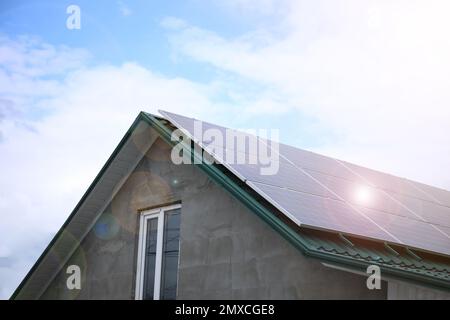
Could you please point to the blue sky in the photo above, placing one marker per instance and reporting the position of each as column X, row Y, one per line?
column 117, row 31
column 364, row 81
column 114, row 32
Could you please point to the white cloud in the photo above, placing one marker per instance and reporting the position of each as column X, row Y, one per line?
column 173, row 23
column 376, row 73
column 253, row 8
column 55, row 140
column 124, row 9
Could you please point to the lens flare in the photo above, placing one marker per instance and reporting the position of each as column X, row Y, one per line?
column 363, row 195
column 106, row 227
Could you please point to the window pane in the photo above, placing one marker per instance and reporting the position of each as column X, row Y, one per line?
column 170, row 253
column 150, row 258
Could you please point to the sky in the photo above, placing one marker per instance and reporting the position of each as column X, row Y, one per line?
column 359, row 80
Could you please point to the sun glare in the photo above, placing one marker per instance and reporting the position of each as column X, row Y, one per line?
column 363, row 195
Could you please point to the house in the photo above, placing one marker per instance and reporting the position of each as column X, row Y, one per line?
column 315, row 228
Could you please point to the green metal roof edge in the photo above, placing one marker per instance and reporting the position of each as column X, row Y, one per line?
column 358, row 264
column 381, row 254
column 286, row 231
column 83, row 198
column 249, row 201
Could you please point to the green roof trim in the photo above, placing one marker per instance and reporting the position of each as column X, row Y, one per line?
column 376, row 253
column 318, row 244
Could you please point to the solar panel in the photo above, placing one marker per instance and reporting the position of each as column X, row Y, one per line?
column 322, row 192
column 438, row 195
column 348, row 191
column 387, row 182
column 413, row 233
column 312, row 161
column 436, row 214
column 324, row 213
column 288, row 177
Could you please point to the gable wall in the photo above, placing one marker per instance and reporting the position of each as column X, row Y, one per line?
column 225, row 250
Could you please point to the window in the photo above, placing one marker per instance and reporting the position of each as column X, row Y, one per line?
column 158, row 251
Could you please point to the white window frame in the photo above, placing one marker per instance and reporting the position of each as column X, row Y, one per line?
column 158, row 213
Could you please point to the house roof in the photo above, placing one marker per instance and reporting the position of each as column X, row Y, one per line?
column 395, row 257
column 324, row 193
column 333, row 246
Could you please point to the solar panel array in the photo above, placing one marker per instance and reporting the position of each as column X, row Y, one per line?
column 321, row 192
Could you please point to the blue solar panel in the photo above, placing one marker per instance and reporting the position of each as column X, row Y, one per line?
column 321, row 192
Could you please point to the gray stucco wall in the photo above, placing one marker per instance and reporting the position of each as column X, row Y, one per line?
column 226, row 251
